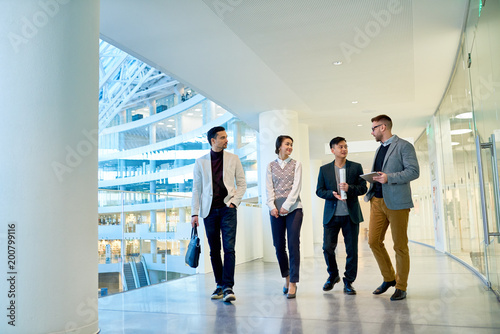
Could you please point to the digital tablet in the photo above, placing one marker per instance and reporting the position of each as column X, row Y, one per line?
column 369, row 176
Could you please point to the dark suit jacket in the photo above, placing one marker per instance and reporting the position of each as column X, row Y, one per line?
column 327, row 184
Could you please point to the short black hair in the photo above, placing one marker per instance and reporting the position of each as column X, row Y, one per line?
column 336, row 140
column 279, row 140
column 212, row 133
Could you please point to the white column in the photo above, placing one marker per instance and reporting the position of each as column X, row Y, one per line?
column 152, row 221
column 271, row 125
column 182, row 215
column 49, row 88
column 306, row 233
column 437, row 156
column 318, row 204
column 153, row 245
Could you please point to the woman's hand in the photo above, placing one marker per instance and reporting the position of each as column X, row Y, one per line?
column 283, row 211
column 274, row 213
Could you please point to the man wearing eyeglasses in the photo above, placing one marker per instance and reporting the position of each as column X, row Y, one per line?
column 390, row 203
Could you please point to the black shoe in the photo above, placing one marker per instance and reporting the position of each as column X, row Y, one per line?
column 398, row 295
column 228, row 295
column 348, row 289
column 383, row 288
column 217, row 294
column 330, row 282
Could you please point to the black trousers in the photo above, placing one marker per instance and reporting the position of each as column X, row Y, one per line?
column 289, row 225
column 350, row 232
column 222, row 222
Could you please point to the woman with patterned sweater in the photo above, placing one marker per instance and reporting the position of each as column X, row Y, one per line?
column 283, row 184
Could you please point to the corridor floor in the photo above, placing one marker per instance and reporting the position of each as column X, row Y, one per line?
column 443, row 297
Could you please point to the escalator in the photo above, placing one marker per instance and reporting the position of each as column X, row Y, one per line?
column 142, row 274
column 129, row 279
column 135, row 275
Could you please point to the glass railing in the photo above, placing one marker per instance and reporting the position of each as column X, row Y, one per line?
column 169, row 162
column 139, row 226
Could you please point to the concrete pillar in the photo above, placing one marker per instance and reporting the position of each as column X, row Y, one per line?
column 182, row 215
column 50, row 79
column 180, row 126
column 152, row 221
column 318, row 204
column 306, row 233
column 153, row 245
column 122, row 168
column 234, row 127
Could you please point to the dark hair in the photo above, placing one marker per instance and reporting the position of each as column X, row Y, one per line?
column 212, row 133
column 386, row 120
column 336, row 140
column 279, row 140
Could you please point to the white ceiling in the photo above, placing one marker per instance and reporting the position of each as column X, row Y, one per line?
column 261, row 55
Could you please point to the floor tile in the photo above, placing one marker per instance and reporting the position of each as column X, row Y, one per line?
column 443, row 297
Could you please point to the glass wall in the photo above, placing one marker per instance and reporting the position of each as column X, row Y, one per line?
column 460, row 193
column 465, row 131
column 421, row 227
column 485, row 83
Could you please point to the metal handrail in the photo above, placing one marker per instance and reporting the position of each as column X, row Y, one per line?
column 143, row 193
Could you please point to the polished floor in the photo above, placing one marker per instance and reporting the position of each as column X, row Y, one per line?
column 443, row 297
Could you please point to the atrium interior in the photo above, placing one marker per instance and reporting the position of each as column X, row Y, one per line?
column 108, row 112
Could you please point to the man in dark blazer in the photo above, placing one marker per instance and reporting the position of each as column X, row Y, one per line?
column 390, row 203
column 341, row 212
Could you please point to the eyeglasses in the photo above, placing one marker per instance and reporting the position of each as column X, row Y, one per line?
column 376, row 126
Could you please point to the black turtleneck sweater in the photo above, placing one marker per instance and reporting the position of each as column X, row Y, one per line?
column 219, row 189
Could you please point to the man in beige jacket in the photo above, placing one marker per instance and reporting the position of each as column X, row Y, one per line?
column 216, row 199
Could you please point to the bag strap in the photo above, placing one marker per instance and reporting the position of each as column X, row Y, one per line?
column 194, row 232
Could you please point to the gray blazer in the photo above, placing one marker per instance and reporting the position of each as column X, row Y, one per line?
column 401, row 166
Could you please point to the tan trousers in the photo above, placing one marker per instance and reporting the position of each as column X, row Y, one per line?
column 380, row 219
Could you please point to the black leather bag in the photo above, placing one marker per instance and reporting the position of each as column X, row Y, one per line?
column 194, row 249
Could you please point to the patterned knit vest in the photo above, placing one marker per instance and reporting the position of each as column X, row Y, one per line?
column 282, row 180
